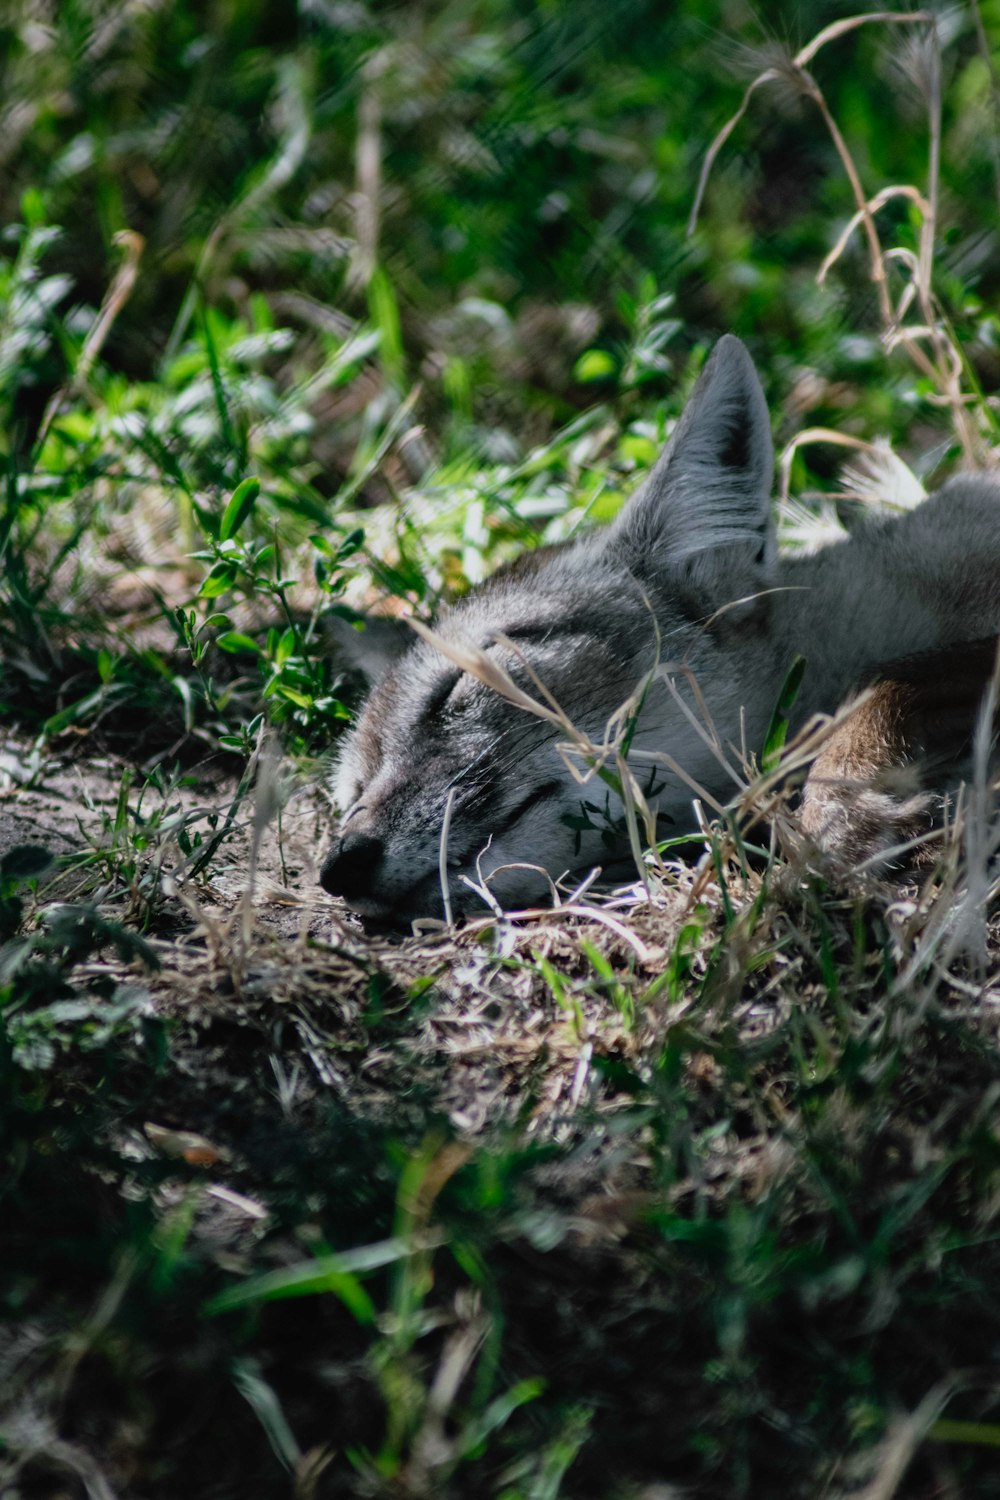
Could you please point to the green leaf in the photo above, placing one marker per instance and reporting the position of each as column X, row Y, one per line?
column 241, row 503
column 72, row 714
column 285, row 647
column 946, row 1431
column 351, row 542
column 301, row 700
column 384, row 312
column 220, row 579
column 777, row 732
column 498, row 1412
column 218, row 388
column 594, row 364
column 268, row 1411
column 234, row 640
column 327, row 1273
column 32, row 208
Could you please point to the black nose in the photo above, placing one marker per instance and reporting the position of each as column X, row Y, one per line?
column 349, row 868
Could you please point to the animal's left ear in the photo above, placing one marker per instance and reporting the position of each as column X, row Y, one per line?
column 369, row 644
column 708, row 498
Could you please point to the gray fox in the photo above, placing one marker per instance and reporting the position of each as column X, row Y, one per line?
column 684, row 593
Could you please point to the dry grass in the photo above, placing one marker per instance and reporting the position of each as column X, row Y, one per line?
column 692, row 1188
column 911, row 315
column 719, row 1106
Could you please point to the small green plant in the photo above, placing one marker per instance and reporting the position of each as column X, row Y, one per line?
column 21, row 867
column 43, row 1010
column 777, row 731
column 298, row 688
column 641, row 357
column 438, row 1411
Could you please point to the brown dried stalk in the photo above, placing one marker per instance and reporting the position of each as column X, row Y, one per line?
column 942, row 364
column 115, row 297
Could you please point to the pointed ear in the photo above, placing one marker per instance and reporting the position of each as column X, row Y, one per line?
column 369, row 644
column 710, row 491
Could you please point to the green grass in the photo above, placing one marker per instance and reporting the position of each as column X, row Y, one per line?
column 702, row 1197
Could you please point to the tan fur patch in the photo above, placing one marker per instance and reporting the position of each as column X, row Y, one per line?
column 867, row 790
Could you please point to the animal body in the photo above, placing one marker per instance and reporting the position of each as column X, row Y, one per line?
column 685, row 593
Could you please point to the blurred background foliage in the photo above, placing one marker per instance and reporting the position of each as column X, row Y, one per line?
column 427, row 264
column 510, row 176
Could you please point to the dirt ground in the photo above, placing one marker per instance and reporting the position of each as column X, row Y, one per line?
column 483, row 1036
column 598, row 1073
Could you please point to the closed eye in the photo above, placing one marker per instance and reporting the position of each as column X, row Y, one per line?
column 543, row 793
column 447, row 685
column 540, row 632
column 441, row 694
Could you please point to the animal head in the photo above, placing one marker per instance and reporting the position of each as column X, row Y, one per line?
column 675, row 588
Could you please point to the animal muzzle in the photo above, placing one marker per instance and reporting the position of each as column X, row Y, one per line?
column 351, row 868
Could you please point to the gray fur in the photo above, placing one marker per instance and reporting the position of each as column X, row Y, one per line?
column 712, row 485
column 691, row 563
